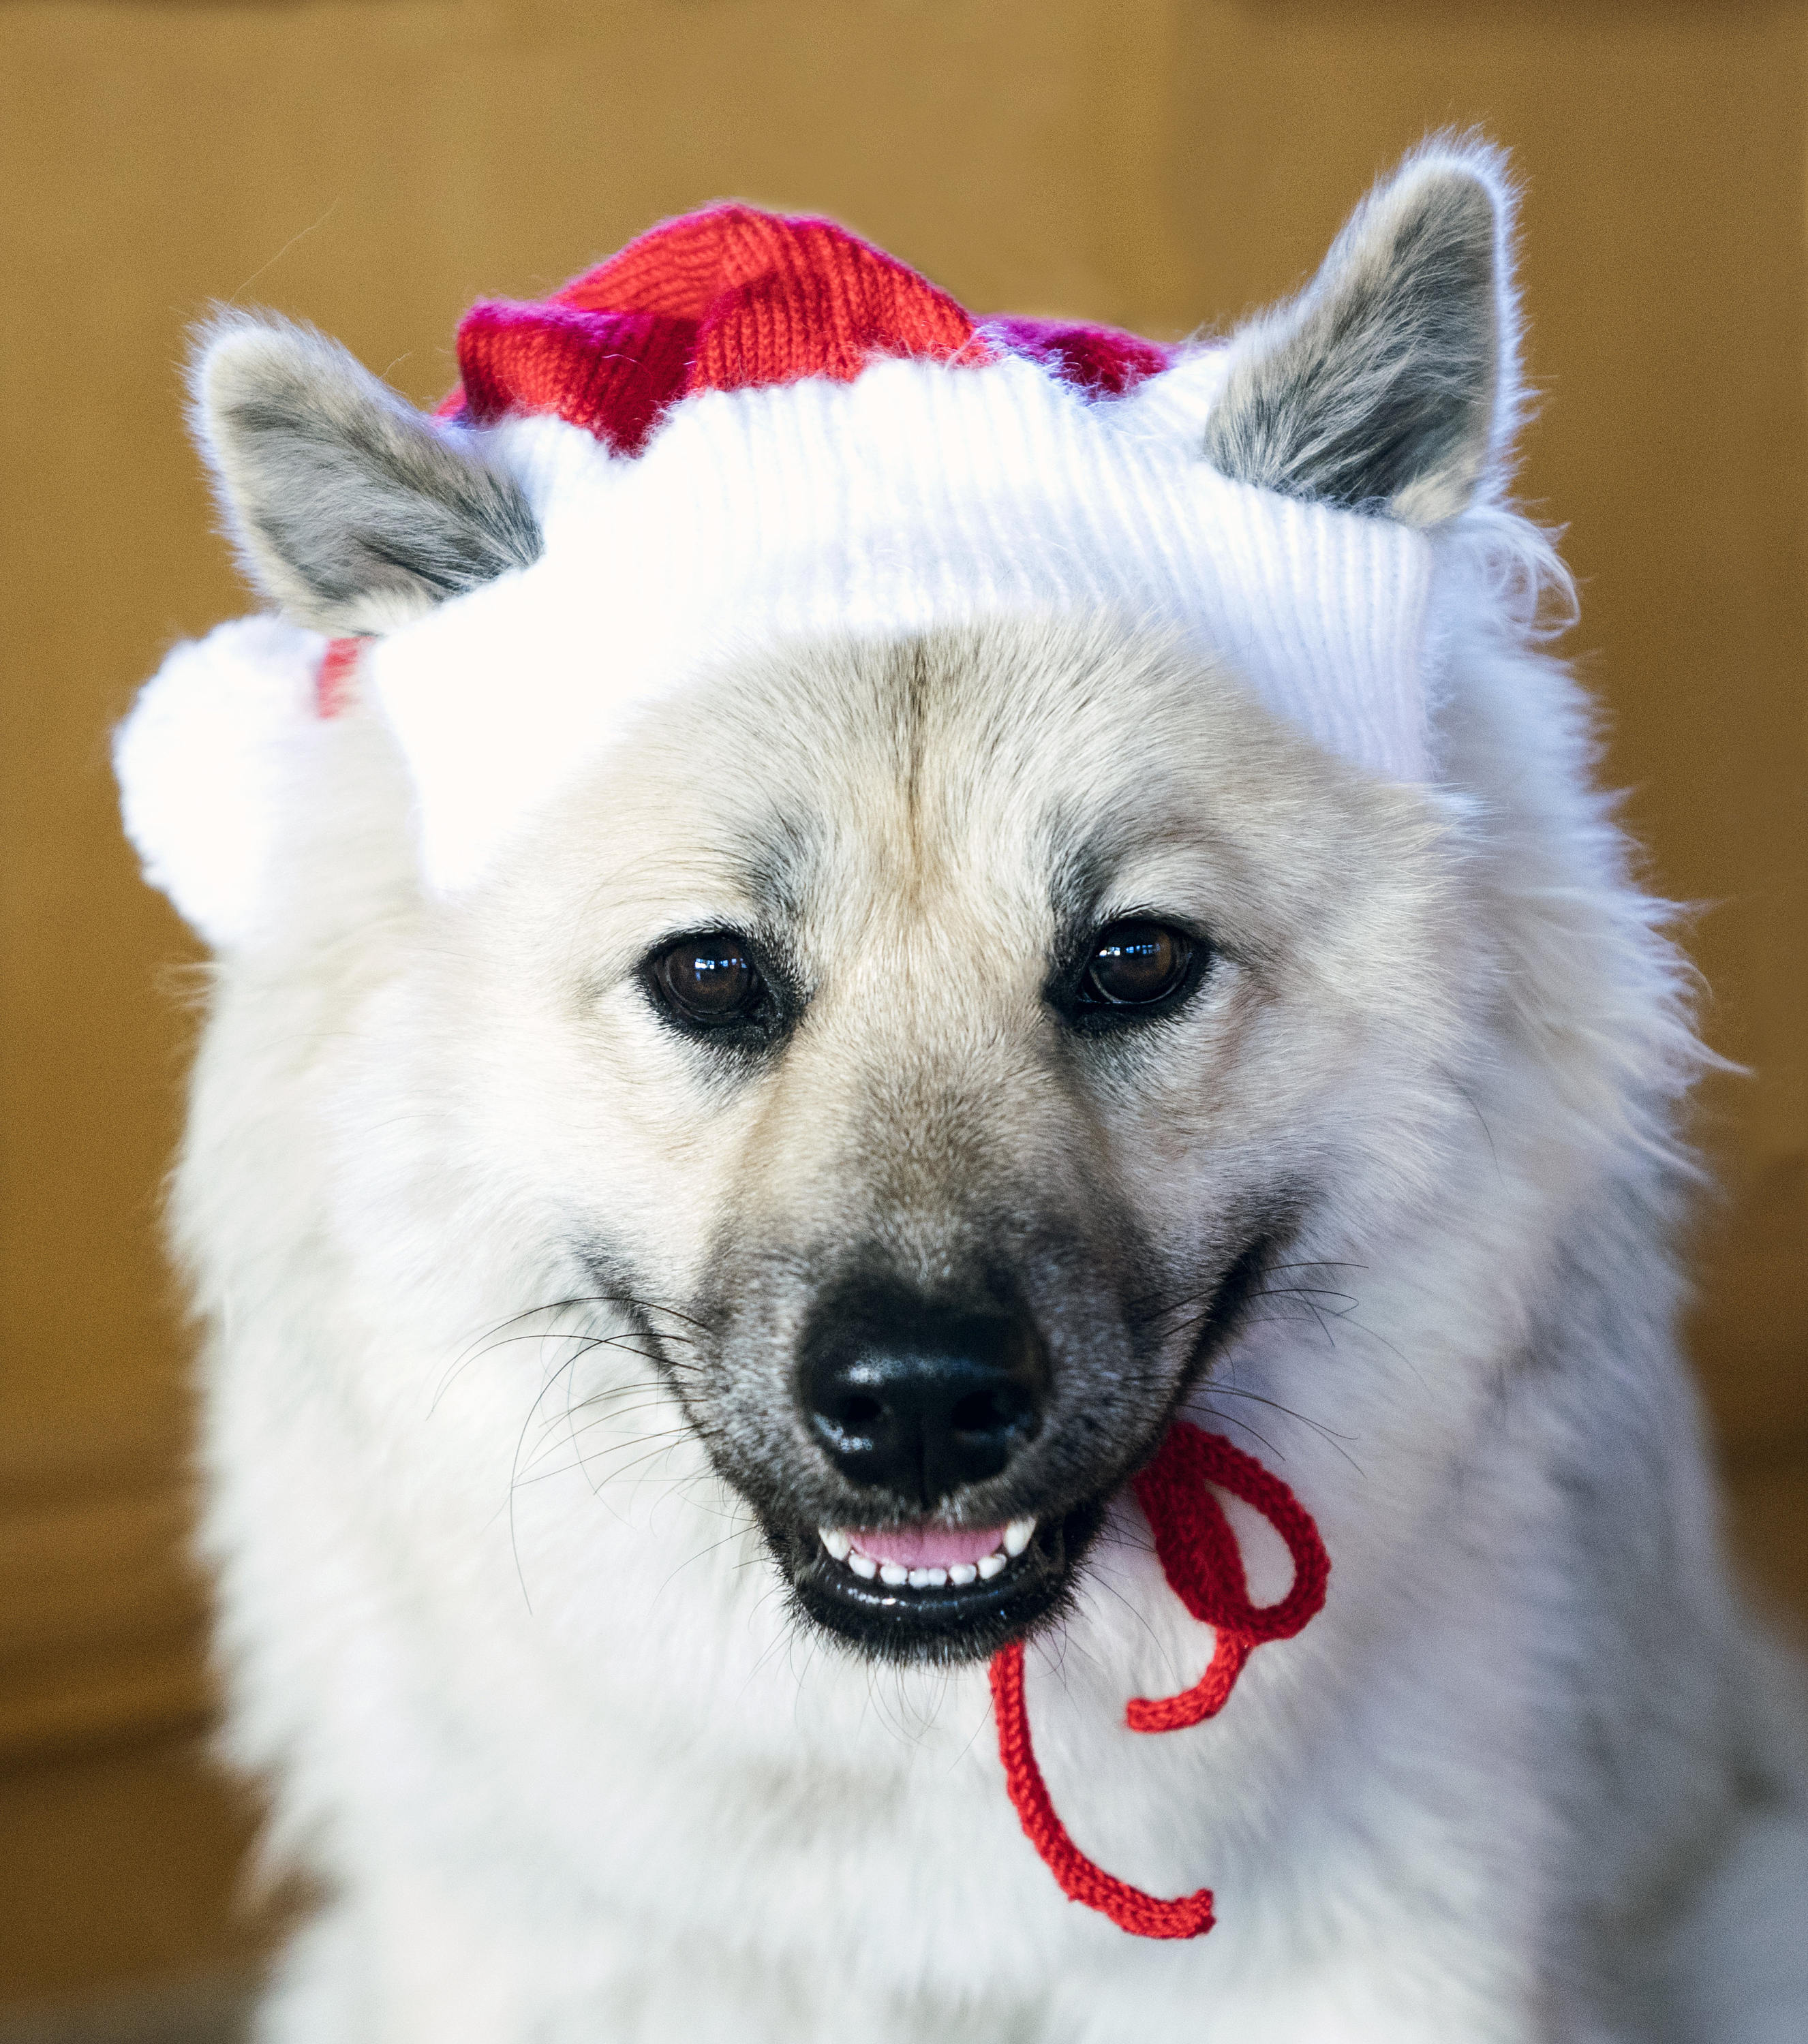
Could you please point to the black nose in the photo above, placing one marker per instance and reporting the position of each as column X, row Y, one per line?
column 918, row 1399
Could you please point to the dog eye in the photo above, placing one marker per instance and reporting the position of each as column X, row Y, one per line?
column 1134, row 965
column 710, row 981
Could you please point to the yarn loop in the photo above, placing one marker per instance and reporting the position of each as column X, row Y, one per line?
column 1204, row 1567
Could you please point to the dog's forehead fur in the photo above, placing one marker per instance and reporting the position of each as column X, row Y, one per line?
column 1012, row 785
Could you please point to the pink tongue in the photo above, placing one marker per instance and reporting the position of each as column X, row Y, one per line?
column 928, row 1546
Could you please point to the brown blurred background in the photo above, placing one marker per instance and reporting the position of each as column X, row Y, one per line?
column 1156, row 163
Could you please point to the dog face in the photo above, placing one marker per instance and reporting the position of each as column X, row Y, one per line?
column 932, row 1047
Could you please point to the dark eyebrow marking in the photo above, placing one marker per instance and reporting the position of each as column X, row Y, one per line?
column 1082, row 864
column 780, row 861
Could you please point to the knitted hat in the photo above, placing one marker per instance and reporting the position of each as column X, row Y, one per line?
column 745, row 430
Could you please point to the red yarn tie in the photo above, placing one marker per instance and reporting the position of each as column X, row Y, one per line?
column 1204, row 1567
column 333, row 678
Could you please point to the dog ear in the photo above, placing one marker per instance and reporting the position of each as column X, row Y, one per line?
column 1387, row 384
column 347, row 506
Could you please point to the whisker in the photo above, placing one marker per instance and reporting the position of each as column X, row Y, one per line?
column 661, row 1444
column 1220, row 1388
column 1230, row 1419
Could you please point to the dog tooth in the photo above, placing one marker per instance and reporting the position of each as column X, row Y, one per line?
column 963, row 1573
column 938, row 1577
column 919, row 1579
column 837, row 1543
column 892, row 1573
column 990, row 1565
column 1017, row 1536
column 863, row 1565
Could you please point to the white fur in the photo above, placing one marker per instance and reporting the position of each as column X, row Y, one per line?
column 508, row 1648
column 554, row 1749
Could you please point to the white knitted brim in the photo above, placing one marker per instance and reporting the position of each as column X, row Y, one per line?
column 919, row 495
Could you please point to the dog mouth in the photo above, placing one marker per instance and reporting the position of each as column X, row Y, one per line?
column 934, row 1592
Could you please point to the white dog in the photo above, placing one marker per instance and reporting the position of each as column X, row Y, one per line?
column 856, row 917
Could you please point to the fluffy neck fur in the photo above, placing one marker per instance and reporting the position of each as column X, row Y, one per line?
column 1521, row 1709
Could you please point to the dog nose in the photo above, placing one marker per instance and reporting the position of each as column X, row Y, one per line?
column 917, row 1401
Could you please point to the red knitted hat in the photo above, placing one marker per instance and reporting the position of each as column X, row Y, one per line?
column 733, row 297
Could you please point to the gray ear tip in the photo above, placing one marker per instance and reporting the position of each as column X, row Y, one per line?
column 1462, row 193
column 1463, row 182
column 1454, row 190
column 230, row 350
column 224, row 333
